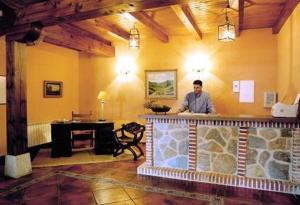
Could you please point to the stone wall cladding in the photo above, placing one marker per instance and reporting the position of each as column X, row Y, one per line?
column 217, row 149
column 273, row 148
column 296, row 157
column 269, row 153
column 171, row 144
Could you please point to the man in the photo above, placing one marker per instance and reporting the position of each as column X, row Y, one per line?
column 197, row 101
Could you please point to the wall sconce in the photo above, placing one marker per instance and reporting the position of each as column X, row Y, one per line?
column 134, row 37
column 102, row 96
column 226, row 32
column 198, row 63
column 126, row 66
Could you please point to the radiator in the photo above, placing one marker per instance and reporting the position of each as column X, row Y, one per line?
column 38, row 133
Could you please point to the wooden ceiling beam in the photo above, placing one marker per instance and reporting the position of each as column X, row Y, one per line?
column 61, row 43
column 100, row 22
column 72, row 28
column 241, row 17
column 287, row 10
column 184, row 13
column 75, row 10
column 13, row 4
column 59, row 36
column 157, row 29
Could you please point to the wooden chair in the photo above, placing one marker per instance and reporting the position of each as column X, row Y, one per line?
column 128, row 137
column 82, row 134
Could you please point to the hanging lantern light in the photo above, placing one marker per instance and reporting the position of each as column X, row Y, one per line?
column 134, row 37
column 226, row 32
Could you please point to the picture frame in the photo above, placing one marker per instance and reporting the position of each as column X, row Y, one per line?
column 2, row 90
column 161, row 84
column 53, row 89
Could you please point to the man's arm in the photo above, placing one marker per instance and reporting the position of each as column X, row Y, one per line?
column 184, row 105
column 209, row 105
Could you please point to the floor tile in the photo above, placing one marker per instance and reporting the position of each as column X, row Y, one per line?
column 159, row 199
column 128, row 202
column 8, row 202
column 41, row 201
column 117, row 183
column 85, row 198
column 110, row 196
column 40, row 190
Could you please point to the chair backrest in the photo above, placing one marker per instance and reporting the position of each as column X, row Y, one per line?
column 135, row 129
column 81, row 116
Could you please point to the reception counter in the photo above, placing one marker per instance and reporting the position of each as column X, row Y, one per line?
column 259, row 152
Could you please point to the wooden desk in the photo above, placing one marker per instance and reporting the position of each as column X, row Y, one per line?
column 61, row 136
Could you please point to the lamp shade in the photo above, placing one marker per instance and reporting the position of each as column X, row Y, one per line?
column 134, row 38
column 102, row 95
column 226, row 32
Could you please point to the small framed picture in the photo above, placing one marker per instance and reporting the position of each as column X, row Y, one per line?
column 53, row 89
column 161, row 84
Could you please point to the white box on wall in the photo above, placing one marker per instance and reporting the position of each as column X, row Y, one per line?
column 270, row 99
column 236, row 86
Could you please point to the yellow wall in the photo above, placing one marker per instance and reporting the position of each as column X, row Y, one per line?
column 252, row 56
column 288, row 83
column 45, row 62
column 48, row 62
column 2, row 107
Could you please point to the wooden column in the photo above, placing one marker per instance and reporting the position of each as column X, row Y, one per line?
column 16, row 98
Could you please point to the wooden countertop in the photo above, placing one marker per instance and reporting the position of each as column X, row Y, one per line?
column 255, row 118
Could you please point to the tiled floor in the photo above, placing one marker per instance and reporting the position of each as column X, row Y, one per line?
column 117, row 183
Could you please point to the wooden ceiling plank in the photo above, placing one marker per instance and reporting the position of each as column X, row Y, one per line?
column 157, row 29
column 188, row 13
column 81, row 43
column 79, row 31
column 75, row 10
column 182, row 17
column 86, row 9
column 287, row 10
column 100, row 22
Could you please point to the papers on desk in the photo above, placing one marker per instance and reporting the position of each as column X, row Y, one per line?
column 196, row 114
column 191, row 113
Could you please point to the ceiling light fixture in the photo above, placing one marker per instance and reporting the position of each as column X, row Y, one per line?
column 134, row 37
column 226, row 32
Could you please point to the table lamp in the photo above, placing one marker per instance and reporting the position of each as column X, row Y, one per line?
column 102, row 96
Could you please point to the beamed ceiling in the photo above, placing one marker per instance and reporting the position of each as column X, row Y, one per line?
column 94, row 26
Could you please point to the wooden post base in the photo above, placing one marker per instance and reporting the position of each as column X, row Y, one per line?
column 17, row 166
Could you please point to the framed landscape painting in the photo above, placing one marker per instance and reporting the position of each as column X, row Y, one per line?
column 53, row 89
column 161, row 84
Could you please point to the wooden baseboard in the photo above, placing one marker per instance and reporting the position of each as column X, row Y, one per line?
column 2, row 160
column 35, row 149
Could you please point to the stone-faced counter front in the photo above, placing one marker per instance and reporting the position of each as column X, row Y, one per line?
column 260, row 153
column 269, row 153
column 217, row 149
column 171, row 145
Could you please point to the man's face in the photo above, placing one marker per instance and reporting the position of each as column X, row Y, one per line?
column 197, row 89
